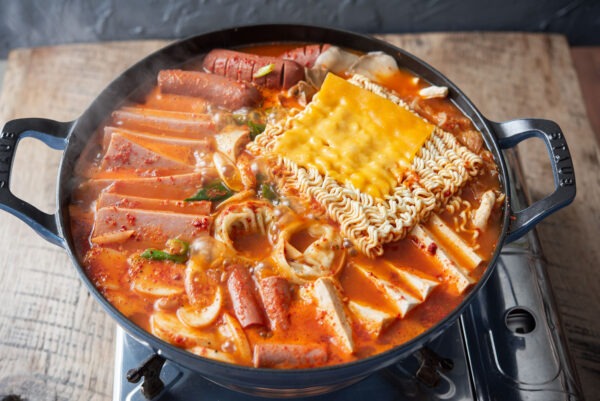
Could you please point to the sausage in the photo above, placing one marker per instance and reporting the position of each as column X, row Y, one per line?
column 276, row 298
column 222, row 91
column 241, row 292
column 306, row 55
column 270, row 355
column 243, row 67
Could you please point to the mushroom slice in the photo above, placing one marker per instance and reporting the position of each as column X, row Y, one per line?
column 329, row 303
column 335, row 60
column 228, row 172
column 169, row 328
column 375, row 65
column 232, row 330
column 373, row 320
column 402, row 301
column 482, row 214
column 201, row 316
column 323, row 257
column 232, row 142
column 432, row 92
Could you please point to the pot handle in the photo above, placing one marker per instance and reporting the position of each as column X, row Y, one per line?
column 54, row 135
column 509, row 134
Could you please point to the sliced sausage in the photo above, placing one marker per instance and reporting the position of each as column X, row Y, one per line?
column 244, row 66
column 276, row 298
column 289, row 355
column 305, row 55
column 241, row 292
column 222, row 91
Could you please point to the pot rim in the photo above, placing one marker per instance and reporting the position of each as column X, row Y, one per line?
column 391, row 355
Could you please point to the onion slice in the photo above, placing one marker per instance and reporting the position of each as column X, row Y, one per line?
column 201, row 317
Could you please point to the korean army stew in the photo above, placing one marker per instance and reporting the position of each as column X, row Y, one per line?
column 287, row 206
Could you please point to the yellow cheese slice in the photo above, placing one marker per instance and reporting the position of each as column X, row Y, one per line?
column 354, row 136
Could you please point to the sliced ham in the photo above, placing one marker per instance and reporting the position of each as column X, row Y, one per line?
column 178, row 148
column 124, row 153
column 276, row 297
column 163, row 122
column 150, row 226
column 107, row 199
column 174, row 187
column 242, row 293
column 274, row 355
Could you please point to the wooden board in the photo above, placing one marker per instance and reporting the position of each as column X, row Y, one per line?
column 57, row 344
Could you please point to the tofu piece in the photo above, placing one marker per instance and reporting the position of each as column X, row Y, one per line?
column 421, row 285
column 329, row 303
column 453, row 273
column 453, row 243
column 373, row 320
column 402, row 301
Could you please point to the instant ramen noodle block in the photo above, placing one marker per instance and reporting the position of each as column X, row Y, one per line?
column 374, row 165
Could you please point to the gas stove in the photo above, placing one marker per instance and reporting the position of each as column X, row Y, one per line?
column 507, row 345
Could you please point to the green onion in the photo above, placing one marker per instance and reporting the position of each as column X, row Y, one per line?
column 177, row 251
column 268, row 192
column 155, row 254
column 255, row 129
column 215, row 191
column 265, row 70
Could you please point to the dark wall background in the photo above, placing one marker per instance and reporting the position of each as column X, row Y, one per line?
column 25, row 23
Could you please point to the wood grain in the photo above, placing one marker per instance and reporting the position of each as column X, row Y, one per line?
column 587, row 64
column 56, row 343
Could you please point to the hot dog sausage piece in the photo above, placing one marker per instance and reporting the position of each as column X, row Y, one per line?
column 305, row 55
column 245, row 67
column 276, row 297
column 221, row 91
column 241, row 291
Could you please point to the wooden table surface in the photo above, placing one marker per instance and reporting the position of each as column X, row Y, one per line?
column 57, row 344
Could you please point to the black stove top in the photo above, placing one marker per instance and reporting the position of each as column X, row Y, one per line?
column 508, row 345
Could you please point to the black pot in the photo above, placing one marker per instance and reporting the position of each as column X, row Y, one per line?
column 72, row 137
